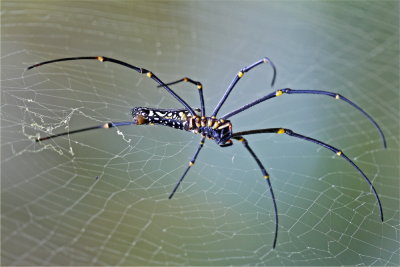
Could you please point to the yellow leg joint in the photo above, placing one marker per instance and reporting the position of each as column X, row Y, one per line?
column 281, row 131
column 101, row 59
column 339, row 153
column 216, row 124
column 183, row 116
column 203, row 121
column 186, row 79
column 199, row 86
column 197, row 121
column 240, row 74
column 191, row 163
column 149, row 74
column 266, row 177
column 242, row 139
column 223, row 126
column 265, row 60
column 337, row 96
column 278, row 93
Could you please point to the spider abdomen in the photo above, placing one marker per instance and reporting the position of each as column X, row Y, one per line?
column 174, row 118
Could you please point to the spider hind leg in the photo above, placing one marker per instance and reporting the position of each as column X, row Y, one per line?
column 320, row 143
column 267, row 179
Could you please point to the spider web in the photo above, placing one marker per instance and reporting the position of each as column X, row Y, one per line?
column 100, row 198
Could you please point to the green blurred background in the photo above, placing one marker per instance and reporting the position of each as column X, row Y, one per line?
column 55, row 211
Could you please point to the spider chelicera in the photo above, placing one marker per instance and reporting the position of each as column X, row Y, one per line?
column 217, row 129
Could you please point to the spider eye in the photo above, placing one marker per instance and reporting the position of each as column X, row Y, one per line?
column 139, row 119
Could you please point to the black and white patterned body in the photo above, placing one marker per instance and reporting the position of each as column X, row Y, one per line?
column 218, row 130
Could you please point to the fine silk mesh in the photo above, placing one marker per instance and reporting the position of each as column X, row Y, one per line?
column 101, row 197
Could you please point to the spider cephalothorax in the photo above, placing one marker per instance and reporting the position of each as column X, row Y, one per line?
column 219, row 130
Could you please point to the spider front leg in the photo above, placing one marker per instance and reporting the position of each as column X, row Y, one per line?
column 148, row 73
column 301, row 91
column 266, row 177
column 107, row 125
column 331, row 148
column 238, row 76
column 199, row 87
column 191, row 163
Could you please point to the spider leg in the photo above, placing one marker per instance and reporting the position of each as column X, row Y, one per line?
column 318, row 92
column 116, row 61
column 102, row 126
column 191, row 163
column 333, row 149
column 199, row 87
column 266, row 177
column 240, row 75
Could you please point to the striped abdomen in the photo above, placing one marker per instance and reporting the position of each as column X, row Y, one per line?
column 174, row 118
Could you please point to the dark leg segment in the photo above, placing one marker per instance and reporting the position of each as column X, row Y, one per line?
column 266, row 177
column 317, row 92
column 116, row 61
column 240, row 75
column 331, row 148
column 191, row 163
column 102, row 126
column 199, row 87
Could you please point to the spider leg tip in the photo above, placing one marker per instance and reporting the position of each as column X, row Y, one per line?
column 274, row 244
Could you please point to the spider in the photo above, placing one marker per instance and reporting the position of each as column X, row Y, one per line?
column 218, row 129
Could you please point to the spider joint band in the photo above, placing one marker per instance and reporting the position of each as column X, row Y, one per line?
column 216, row 124
column 203, row 122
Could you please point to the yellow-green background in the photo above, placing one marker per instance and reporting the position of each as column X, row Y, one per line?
column 55, row 212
